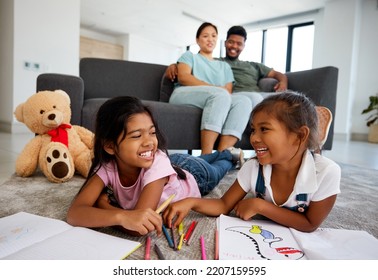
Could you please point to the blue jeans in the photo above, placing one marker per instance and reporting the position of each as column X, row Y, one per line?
column 208, row 169
column 224, row 113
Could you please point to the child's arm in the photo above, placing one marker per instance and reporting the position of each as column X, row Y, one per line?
column 151, row 194
column 83, row 212
column 308, row 222
column 210, row 207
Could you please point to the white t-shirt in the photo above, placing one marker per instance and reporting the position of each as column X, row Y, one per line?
column 318, row 177
column 127, row 197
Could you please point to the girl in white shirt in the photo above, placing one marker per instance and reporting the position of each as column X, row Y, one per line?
column 297, row 188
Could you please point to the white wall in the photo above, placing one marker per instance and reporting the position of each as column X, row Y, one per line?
column 44, row 32
column 366, row 76
column 336, row 44
column 144, row 50
column 6, row 65
column 348, row 39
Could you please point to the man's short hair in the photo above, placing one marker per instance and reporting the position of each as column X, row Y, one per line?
column 237, row 30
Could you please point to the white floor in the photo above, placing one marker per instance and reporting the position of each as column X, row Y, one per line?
column 362, row 154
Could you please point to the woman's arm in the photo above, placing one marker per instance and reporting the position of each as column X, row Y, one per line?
column 83, row 212
column 210, row 207
column 308, row 222
column 186, row 78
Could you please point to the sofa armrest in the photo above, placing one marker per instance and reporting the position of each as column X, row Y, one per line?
column 320, row 85
column 72, row 85
column 267, row 84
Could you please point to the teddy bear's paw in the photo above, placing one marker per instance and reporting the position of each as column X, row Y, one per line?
column 59, row 164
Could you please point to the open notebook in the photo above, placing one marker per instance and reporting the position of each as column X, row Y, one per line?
column 263, row 239
column 27, row 236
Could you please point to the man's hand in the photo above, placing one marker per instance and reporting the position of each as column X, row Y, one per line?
column 279, row 87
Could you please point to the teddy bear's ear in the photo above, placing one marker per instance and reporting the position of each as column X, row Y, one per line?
column 63, row 93
column 18, row 113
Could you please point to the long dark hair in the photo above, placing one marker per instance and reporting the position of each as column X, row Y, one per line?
column 111, row 122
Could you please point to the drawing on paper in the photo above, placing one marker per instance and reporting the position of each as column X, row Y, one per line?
column 267, row 245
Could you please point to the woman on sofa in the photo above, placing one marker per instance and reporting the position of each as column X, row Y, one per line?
column 207, row 84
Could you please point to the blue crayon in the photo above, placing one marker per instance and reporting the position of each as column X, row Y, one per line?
column 169, row 239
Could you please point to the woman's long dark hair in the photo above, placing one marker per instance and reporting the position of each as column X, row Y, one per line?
column 111, row 122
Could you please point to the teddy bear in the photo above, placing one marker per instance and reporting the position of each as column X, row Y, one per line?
column 59, row 149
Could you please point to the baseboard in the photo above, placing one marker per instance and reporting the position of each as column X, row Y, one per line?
column 14, row 128
column 359, row 137
column 351, row 137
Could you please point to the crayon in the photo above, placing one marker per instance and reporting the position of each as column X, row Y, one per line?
column 148, row 248
column 165, row 204
column 189, row 232
column 159, row 253
column 174, row 238
column 169, row 239
column 203, row 248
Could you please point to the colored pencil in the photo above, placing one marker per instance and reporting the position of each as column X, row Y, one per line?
column 148, row 248
column 168, row 237
column 165, row 204
column 191, row 237
column 189, row 232
column 180, row 243
column 181, row 228
column 159, row 253
column 203, row 248
column 174, row 238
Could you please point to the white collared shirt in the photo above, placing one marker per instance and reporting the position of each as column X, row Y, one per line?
column 318, row 177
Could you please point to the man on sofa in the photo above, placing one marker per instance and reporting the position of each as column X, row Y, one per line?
column 246, row 73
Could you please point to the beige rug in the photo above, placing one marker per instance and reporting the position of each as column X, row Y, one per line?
column 356, row 207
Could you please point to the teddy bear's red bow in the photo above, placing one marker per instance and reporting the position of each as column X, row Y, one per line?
column 60, row 134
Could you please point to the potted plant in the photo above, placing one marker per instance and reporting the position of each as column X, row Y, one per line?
column 372, row 120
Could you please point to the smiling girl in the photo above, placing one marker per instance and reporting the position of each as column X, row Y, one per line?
column 131, row 163
column 287, row 182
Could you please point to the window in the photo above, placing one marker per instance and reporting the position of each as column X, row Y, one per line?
column 275, row 48
column 302, row 48
column 253, row 47
column 285, row 49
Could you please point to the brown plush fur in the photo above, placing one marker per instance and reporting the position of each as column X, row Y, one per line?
column 42, row 112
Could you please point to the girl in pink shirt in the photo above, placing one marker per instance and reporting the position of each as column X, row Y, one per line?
column 131, row 163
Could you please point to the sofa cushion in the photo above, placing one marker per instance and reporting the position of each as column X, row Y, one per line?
column 110, row 78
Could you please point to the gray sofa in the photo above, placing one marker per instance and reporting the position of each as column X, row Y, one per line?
column 101, row 79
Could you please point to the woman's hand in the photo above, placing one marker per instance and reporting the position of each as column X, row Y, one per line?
column 171, row 72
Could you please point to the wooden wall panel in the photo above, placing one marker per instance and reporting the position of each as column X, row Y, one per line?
column 95, row 48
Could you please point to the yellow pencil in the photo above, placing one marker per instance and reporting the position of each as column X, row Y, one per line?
column 165, row 204
column 180, row 243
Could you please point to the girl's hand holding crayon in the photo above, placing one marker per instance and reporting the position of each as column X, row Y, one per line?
column 179, row 209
